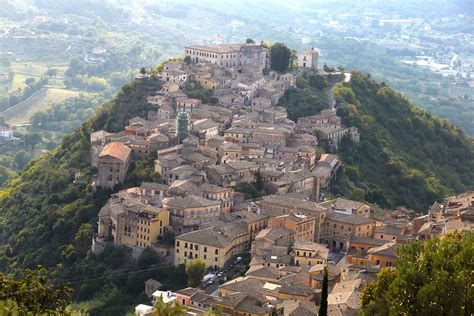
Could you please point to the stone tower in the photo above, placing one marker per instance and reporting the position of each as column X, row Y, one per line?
column 308, row 59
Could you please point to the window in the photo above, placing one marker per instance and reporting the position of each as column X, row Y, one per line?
column 205, row 249
column 177, row 243
column 185, row 245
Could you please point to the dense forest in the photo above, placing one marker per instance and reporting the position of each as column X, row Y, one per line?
column 406, row 156
column 48, row 219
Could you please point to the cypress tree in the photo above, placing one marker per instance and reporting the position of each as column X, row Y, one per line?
column 323, row 308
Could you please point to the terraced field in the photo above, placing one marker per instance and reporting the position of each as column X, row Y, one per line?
column 39, row 101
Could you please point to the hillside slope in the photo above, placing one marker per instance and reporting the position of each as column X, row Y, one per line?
column 406, row 156
column 48, row 219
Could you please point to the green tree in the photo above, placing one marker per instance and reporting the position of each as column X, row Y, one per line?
column 32, row 295
column 280, row 57
column 249, row 190
column 259, row 184
column 168, row 309
column 83, row 237
column 249, row 41
column 323, row 307
column 293, row 58
column 195, row 270
column 52, row 72
column 357, row 195
column 21, row 159
column 327, row 68
column 434, row 277
column 182, row 126
column 187, row 59
column 5, row 175
column 147, row 258
column 318, row 81
column 168, row 238
column 32, row 139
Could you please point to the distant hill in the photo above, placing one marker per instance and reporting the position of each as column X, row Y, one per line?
column 406, row 156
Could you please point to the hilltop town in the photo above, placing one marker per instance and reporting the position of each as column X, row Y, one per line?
column 266, row 254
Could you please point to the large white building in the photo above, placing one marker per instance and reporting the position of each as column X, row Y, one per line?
column 230, row 55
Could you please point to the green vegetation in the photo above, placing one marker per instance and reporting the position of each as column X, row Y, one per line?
column 182, row 126
column 168, row 309
column 434, row 277
column 49, row 219
column 406, row 156
column 195, row 270
column 5, row 175
column 21, row 112
column 252, row 190
column 280, row 57
column 65, row 116
column 32, row 86
column 249, row 190
column 323, row 307
column 308, row 98
column 195, row 90
column 15, row 153
column 32, row 295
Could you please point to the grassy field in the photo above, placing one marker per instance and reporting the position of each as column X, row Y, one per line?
column 28, row 70
column 42, row 100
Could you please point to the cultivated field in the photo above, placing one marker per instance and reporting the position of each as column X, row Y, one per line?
column 40, row 101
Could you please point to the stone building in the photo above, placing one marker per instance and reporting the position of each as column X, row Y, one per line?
column 191, row 211
column 129, row 222
column 215, row 245
column 113, row 164
column 308, row 59
column 230, row 55
column 339, row 227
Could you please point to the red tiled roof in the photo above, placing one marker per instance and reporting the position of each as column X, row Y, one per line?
column 116, row 150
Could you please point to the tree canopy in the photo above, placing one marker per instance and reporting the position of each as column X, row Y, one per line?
column 32, row 295
column 280, row 57
column 434, row 277
column 195, row 269
column 405, row 156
